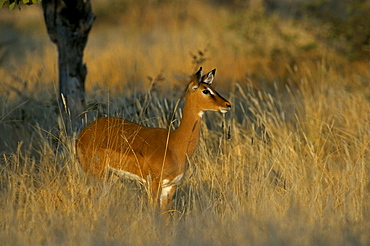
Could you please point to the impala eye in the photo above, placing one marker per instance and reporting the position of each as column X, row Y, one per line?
column 206, row 92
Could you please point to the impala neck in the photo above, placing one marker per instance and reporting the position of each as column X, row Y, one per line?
column 186, row 136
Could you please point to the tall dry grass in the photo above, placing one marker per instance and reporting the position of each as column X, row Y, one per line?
column 295, row 169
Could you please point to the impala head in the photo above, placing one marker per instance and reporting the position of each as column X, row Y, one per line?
column 201, row 93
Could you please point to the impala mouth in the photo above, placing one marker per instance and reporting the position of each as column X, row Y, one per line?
column 224, row 110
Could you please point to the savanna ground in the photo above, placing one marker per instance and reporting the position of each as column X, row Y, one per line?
column 289, row 165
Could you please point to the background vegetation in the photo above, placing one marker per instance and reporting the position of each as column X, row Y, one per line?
column 295, row 170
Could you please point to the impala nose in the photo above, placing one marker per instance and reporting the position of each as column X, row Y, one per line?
column 228, row 107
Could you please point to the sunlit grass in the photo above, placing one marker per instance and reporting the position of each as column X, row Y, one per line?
column 296, row 179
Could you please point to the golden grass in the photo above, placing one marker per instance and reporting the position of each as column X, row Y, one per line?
column 295, row 171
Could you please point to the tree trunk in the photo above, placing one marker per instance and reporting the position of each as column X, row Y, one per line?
column 68, row 23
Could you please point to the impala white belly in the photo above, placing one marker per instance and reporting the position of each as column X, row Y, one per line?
column 126, row 175
column 175, row 181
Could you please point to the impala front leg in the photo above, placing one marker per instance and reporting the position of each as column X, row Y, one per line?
column 166, row 196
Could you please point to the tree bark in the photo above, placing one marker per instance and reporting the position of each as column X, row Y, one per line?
column 68, row 23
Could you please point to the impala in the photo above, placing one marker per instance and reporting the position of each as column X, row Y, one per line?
column 157, row 157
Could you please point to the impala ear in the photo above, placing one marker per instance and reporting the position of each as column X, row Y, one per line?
column 196, row 80
column 199, row 75
column 208, row 78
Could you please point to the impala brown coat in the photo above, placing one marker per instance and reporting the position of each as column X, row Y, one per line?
column 155, row 156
